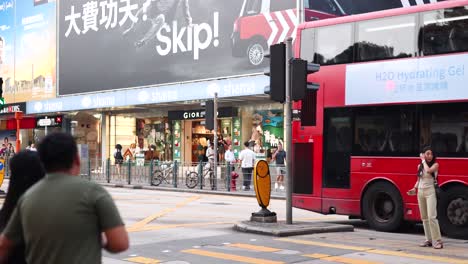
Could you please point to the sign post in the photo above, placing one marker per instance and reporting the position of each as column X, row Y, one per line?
column 288, row 133
column 18, row 117
column 215, row 140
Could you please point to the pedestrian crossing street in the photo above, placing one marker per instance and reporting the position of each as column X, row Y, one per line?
column 292, row 250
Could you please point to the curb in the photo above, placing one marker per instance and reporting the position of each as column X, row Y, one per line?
column 168, row 189
column 283, row 230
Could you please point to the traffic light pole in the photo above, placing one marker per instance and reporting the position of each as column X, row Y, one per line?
column 215, row 137
column 288, row 132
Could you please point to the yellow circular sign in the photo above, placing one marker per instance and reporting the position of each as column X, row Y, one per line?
column 262, row 183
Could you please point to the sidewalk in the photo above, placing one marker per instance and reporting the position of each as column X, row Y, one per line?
column 186, row 190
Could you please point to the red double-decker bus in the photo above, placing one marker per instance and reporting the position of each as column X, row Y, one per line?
column 390, row 82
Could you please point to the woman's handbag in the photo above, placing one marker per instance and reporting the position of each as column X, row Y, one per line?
column 439, row 192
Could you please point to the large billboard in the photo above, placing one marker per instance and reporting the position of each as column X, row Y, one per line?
column 28, row 49
column 113, row 44
column 7, row 41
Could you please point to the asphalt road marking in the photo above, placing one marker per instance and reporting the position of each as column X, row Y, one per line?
column 254, row 247
column 230, row 257
column 340, row 259
column 142, row 260
column 377, row 251
column 140, row 224
column 162, row 227
column 321, row 244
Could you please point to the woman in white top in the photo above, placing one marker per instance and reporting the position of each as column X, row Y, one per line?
column 427, row 200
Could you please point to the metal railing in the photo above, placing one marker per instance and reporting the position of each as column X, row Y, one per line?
column 173, row 174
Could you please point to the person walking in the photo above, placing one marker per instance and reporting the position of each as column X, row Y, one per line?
column 247, row 157
column 26, row 170
column 279, row 156
column 118, row 159
column 427, row 200
column 230, row 158
column 210, row 155
column 64, row 218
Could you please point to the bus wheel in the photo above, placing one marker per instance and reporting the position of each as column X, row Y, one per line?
column 256, row 53
column 453, row 212
column 383, row 207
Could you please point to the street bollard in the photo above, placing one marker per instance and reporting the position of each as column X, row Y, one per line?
column 151, row 172
column 175, row 173
column 200, row 175
column 129, row 172
column 89, row 169
column 108, row 170
column 228, row 176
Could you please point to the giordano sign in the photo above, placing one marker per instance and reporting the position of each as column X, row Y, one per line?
column 200, row 114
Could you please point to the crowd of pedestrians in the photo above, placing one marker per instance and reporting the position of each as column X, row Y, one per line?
column 72, row 229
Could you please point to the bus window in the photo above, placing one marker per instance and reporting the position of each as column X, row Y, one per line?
column 386, row 38
column 445, row 31
column 307, row 44
column 326, row 6
column 334, row 45
column 279, row 5
column 445, row 128
column 253, row 7
column 338, row 141
column 386, row 131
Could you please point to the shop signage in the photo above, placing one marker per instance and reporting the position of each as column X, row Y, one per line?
column 12, row 108
column 51, row 121
column 234, row 87
column 44, row 122
column 199, row 114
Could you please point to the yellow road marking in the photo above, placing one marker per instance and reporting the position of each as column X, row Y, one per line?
column 143, row 260
column 321, row 244
column 340, row 259
column 316, row 255
column 149, row 219
column 376, row 251
column 230, row 257
column 161, row 227
column 254, row 247
column 417, row 256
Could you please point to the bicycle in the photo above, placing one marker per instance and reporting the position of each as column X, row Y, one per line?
column 165, row 173
column 191, row 180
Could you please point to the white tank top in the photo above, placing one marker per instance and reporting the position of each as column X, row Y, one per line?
column 426, row 181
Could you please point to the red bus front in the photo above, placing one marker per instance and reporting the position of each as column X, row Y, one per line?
column 391, row 82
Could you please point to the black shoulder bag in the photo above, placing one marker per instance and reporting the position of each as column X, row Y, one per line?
column 437, row 188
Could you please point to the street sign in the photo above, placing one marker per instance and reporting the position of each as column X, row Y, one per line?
column 262, row 183
column 44, row 122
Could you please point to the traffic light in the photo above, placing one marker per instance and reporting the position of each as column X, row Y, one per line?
column 2, row 101
column 300, row 69
column 277, row 73
column 209, row 115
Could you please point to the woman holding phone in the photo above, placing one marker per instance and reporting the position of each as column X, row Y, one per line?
column 427, row 199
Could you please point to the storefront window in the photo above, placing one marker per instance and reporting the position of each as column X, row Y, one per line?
column 263, row 128
column 154, row 134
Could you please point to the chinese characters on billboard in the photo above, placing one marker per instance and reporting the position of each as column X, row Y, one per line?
column 112, row 44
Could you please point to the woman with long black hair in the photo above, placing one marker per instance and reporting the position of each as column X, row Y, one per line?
column 26, row 169
column 427, row 200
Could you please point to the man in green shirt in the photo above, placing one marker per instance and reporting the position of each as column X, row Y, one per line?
column 64, row 218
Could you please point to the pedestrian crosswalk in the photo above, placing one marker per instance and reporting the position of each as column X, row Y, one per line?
column 292, row 250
